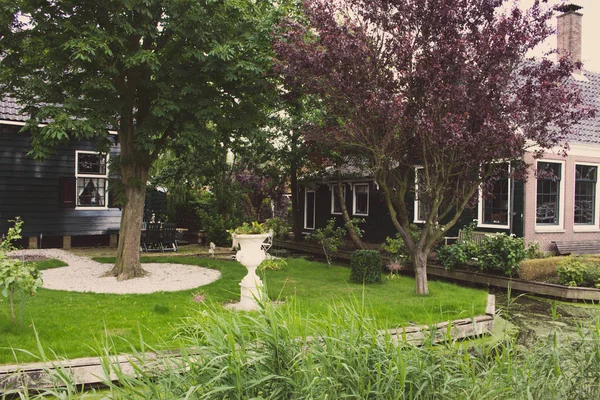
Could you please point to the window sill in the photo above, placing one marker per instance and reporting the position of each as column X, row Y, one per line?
column 493, row 226
column 91, row 208
column 556, row 229
column 591, row 228
column 336, row 213
column 418, row 221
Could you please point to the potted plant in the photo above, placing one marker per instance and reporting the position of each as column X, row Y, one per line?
column 250, row 238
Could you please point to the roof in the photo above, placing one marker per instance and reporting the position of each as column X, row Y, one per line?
column 9, row 110
column 588, row 130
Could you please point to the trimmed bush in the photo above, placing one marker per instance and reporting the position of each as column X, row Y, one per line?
column 539, row 269
column 366, row 266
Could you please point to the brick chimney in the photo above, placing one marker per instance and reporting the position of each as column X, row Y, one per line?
column 568, row 29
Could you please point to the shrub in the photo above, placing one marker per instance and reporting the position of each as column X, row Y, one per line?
column 457, row 254
column 571, row 271
column 452, row 256
column 539, row 269
column 330, row 239
column 16, row 275
column 502, row 253
column 366, row 266
column 579, row 271
column 279, row 226
column 533, row 251
column 396, row 248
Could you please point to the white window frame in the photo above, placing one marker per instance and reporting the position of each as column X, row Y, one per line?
column 595, row 227
column 416, row 201
column 334, row 198
column 98, row 176
column 560, row 227
column 481, row 224
column 354, row 199
column 306, row 192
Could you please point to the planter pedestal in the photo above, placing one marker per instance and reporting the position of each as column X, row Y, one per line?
column 250, row 256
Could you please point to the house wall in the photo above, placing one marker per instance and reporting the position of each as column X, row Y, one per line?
column 378, row 224
column 568, row 231
column 30, row 189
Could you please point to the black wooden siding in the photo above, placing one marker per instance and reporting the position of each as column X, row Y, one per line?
column 378, row 224
column 30, row 189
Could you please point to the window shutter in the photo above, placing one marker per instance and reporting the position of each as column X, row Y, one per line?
column 67, row 192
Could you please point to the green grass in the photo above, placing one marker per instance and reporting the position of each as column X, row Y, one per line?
column 74, row 324
column 48, row 264
column 392, row 302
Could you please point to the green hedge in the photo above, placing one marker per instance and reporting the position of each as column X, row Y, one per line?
column 366, row 266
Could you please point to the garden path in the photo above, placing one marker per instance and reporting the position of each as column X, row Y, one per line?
column 86, row 275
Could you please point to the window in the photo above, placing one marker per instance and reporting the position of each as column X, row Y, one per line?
column 91, row 174
column 549, row 193
column 586, row 177
column 335, row 205
column 309, row 209
column 421, row 207
column 360, row 203
column 494, row 210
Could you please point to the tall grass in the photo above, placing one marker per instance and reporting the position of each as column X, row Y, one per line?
column 257, row 356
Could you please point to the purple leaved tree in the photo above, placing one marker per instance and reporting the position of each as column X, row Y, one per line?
column 444, row 85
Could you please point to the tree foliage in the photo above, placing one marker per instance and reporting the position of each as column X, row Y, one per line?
column 161, row 73
column 442, row 84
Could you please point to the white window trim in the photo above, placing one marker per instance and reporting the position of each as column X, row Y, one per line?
column 306, row 192
column 416, row 201
column 103, row 176
column 480, row 223
column 560, row 227
column 595, row 227
column 334, row 199
column 354, row 199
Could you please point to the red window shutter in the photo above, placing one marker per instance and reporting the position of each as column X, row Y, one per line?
column 66, row 192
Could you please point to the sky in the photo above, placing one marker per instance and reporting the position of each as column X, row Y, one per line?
column 590, row 35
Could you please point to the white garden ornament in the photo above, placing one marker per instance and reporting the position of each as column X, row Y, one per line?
column 250, row 255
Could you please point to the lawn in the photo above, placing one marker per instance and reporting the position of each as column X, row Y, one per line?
column 76, row 324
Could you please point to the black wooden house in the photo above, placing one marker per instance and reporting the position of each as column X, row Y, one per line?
column 63, row 200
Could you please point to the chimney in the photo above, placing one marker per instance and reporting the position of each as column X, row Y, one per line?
column 568, row 29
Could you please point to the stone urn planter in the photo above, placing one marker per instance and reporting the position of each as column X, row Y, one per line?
column 250, row 255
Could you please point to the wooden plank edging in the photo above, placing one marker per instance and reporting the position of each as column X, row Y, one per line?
column 538, row 288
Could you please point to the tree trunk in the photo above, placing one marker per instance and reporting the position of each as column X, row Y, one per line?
column 296, row 212
column 420, row 265
column 342, row 202
column 127, row 265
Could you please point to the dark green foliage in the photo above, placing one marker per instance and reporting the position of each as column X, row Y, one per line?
column 501, row 253
column 366, row 266
column 453, row 256
column 579, row 271
column 498, row 253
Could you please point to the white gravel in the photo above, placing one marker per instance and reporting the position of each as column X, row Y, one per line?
column 85, row 275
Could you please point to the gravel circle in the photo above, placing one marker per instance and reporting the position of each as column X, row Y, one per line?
column 85, row 275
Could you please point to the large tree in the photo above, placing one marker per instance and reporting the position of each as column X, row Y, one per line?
column 440, row 84
column 155, row 71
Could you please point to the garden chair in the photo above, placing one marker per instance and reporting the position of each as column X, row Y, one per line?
column 169, row 237
column 152, row 240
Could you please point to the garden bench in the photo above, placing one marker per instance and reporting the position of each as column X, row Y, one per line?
column 476, row 237
column 566, row 247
